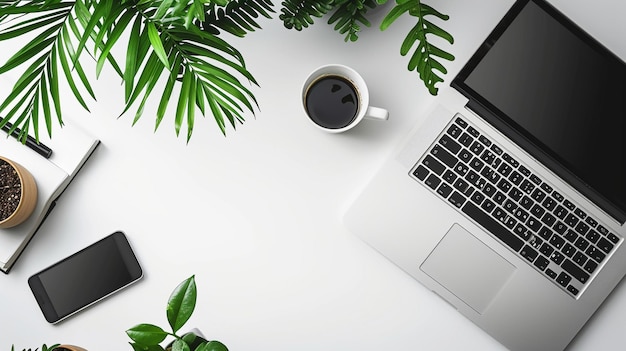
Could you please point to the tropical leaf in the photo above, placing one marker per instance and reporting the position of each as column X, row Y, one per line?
column 298, row 14
column 147, row 334
column 348, row 15
column 50, row 52
column 202, row 65
column 425, row 56
column 44, row 23
column 181, row 303
column 238, row 17
column 164, row 36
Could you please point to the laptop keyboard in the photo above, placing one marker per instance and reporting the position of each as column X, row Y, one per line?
column 534, row 220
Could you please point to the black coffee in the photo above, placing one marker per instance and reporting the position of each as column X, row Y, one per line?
column 332, row 102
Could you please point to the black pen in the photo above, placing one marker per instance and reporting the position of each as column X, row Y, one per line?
column 36, row 146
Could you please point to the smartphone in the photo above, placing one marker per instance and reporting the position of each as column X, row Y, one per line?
column 85, row 277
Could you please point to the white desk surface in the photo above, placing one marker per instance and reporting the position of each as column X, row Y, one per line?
column 257, row 216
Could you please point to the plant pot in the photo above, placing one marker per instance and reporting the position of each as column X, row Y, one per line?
column 18, row 193
column 69, row 348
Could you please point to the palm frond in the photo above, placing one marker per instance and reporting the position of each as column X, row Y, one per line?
column 50, row 46
column 164, row 36
column 204, row 66
column 298, row 14
column 424, row 59
column 348, row 15
column 238, row 17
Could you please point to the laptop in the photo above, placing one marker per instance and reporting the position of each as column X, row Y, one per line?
column 508, row 200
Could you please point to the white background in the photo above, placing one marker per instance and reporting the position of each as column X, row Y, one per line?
column 257, row 215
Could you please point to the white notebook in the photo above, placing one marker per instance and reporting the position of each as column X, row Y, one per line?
column 71, row 147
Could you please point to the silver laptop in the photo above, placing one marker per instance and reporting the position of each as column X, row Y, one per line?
column 508, row 200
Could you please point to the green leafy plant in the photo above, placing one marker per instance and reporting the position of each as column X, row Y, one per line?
column 349, row 15
column 424, row 58
column 166, row 42
column 43, row 348
column 180, row 307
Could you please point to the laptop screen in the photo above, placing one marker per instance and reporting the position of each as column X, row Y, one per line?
column 559, row 94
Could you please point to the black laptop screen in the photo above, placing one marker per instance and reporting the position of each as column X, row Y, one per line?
column 559, row 94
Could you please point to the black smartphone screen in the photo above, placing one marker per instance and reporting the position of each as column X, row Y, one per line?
column 85, row 277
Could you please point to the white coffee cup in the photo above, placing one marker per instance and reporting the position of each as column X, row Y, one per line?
column 335, row 98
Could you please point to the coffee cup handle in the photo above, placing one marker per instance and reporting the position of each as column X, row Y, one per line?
column 377, row 113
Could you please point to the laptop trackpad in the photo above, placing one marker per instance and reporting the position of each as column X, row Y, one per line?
column 469, row 269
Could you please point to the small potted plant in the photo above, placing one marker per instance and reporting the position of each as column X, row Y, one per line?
column 180, row 307
column 18, row 193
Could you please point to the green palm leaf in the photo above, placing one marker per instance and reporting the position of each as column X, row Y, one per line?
column 194, row 59
column 237, row 17
column 424, row 59
column 348, row 15
column 164, row 36
column 53, row 32
column 298, row 14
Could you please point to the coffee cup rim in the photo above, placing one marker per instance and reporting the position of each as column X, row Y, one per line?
column 353, row 77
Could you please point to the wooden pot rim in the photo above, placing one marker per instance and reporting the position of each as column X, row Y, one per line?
column 19, row 169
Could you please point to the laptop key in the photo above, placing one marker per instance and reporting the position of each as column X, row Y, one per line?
column 542, row 263
column 444, row 156
column 454, row 131
column 550, row 273
column 496, row 149
column 573, row 290
column 433, row 165
column 593, row 237
column 557, row 257
column 465, row 155
column 421, row 172
column 560, row 212
column 590, row 266
column 548, row 219
column 432, row 181
column 461, row 169
column 450, row 144
column 477, row 148
column 595, row 253
column 526, row 202
column 570, row 235
column 461, row 122
column 466, row 139
column 557, row 196
column 613, row 238
column 457, row 199
column 563, row 279
column 488, row 206
column 569, row 250
column 549, row 203
column 533, row 223
column 488, row 157
column 444, row 190
column 582, row 228
column 529, row 253
column 579, row 258
column 575, row 271
column 592, row 222
column 473, row 131
column 483, row 139
column 571, row 220
column 509, row 159
column 493, row 226
column 449, row 176
column 605, row 245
